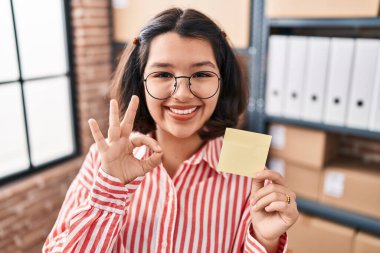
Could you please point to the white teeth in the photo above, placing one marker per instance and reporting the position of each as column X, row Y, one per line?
column 187, row 111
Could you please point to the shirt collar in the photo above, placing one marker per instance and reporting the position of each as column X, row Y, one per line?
column 209, row 152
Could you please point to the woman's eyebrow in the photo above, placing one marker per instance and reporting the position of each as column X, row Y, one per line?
column 197, row 64
column 161, row 65
column 203, row 63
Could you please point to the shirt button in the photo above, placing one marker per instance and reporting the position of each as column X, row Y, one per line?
column 164, row 244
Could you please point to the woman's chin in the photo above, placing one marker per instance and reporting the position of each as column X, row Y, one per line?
column 180, row 133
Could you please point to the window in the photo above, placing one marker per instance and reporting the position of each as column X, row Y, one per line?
column 36, row 87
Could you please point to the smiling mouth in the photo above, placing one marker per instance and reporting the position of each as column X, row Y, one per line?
column 183, row 112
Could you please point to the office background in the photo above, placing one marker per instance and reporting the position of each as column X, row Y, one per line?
column 313, row 69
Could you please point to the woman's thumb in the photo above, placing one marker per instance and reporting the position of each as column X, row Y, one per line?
column 153, row 161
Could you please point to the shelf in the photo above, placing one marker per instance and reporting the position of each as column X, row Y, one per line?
column 296, row 23
column 327, row 128
column 354, row 220
column 258, row 120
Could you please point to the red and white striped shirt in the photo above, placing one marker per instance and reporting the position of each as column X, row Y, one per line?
column 197, row 210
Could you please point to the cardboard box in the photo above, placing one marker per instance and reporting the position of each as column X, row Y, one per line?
column 352, row 185
column 303, row 180
column 322, row 8
column 232, row 16
column 306, row 147
column 314, row 235
column 366, row 243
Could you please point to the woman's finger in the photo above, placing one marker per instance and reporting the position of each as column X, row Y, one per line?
column 140, row 140
column 153, row 161
column 97, row 135
column 290, row 211
column 129, row 117
column 279, row 206
column 257, row 184
column 271, row 175
column 269, row 188
column 114, row 122
column 268, row 199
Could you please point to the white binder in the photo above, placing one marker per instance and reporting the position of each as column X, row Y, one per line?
column 363, row 80
column 338, row 80
column 295, row 76
column 374, row 121
column 277, row 52
column 315, row 79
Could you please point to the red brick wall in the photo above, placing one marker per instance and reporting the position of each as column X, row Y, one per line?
column 29, row 207
column 92, row 54
column 364, row 148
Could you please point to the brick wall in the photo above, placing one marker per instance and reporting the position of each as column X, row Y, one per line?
column 364, row 148
column 92, row 50
column 29, row 207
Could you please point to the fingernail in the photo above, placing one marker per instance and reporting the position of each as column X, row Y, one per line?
column 258, row 174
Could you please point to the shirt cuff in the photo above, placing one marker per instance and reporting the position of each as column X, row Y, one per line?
column 252, row 245
column 110, row 194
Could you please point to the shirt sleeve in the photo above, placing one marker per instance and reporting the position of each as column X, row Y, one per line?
column 92, row 213
column 252, row 245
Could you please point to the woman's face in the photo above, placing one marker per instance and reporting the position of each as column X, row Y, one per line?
column 183, row 114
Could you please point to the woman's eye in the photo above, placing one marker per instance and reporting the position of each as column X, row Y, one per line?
column 201, row 74
column 163, row 75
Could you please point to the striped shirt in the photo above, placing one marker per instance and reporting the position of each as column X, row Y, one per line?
column 197, row 210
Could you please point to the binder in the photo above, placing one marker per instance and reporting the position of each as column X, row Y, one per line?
column 363, row 81
column 295, row 76
column 315, row 79
column 338, row 80
column 374, row 122
column 277, row 52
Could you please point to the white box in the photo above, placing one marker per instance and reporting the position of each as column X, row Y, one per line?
column 315, row 79
column 338, row 80
column 295, row 76
column 363, row 81
column 374, row 121
column 275, row 92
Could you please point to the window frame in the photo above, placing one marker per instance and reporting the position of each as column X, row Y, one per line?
column 70, row 74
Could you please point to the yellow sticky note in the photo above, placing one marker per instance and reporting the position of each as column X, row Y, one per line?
column 243, row 153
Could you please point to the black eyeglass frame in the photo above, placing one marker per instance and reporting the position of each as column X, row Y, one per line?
column 188, row 84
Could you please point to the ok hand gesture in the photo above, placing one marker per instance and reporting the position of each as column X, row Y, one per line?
column 116, row 152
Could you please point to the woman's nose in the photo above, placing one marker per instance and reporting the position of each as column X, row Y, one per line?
column 182, row 89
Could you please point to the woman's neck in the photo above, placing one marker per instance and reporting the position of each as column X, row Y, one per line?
column 176, row 150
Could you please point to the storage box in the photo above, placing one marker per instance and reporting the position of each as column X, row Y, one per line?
column 352, row 185
column 306, row 147
column 303, row 180
column 366, row 243
column 314, row 235
column 232, row 16
column 322, row 8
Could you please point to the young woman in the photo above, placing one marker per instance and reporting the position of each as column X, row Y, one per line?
column 152, row 185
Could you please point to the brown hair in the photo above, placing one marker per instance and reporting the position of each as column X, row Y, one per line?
column 128, row 77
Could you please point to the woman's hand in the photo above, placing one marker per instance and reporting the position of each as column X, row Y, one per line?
column 273, row 207
column 116, row 153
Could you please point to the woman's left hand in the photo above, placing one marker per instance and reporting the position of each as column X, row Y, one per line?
column 273, row 206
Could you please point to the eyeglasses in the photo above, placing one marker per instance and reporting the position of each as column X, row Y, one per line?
column 162, row 85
